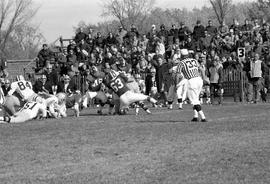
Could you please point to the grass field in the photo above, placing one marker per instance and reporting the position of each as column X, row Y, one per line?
column 164, row 147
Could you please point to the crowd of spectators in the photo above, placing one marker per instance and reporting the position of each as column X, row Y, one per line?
column 152, row 53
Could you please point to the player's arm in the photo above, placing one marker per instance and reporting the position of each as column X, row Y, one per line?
column 13, row 88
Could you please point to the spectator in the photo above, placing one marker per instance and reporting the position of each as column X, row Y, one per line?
column 223, row 29
column 173, row 35
column 121, row 35
column 160, row 48
column 44, row 56
column 80, row 36
column 198, row 31
column 212, row 30
column 43, row 85
column 65, row 86
column 255, row 70
column 183, row 32
column 99, row 41
column 235, row 26
column 110, row 40
column 247, row 28
column 152, row 32
column 163, row 34
column 51, row 75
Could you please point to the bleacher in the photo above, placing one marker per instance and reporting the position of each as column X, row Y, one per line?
column 21, row 67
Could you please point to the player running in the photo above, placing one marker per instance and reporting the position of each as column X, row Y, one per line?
column 117, row 82
column 190, row 70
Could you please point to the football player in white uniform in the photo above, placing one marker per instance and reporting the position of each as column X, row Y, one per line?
column 29, row 111
column 24, row 89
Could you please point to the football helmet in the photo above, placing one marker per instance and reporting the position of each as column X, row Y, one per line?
column 61, row 98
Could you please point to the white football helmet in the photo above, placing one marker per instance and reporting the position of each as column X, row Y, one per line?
column 61, row 98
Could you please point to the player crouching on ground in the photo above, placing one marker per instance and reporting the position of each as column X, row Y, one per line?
column 56, row 104
column 20, row 92
column 117, row 82
column 73, row 96
column 96, row 89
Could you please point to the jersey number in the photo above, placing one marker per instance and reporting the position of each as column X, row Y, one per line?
column 22, row 86
column 117, row 84
column 191, row 63
column 29, row 106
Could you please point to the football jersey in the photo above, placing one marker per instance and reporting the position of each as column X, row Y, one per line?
column 118, row 85
column 95, row 82
column 189, row 68
column 23, row 88
column 32, row 109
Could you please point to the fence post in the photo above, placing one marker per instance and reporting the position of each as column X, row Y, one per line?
column 242, row 93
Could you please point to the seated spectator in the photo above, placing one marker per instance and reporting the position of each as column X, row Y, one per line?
column 66, row 86
column 43, row 85
column 51, row 75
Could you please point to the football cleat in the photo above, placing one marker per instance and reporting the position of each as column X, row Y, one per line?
column 203, row 120
column 195, row 119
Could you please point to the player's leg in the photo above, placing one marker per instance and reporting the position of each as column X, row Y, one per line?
column 171, row 96
column 19, row 117
column 87, row 97
column 195, row 87
column 102, row 99
column 11, row 104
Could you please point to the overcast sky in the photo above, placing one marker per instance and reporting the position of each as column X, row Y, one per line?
column 57, row 17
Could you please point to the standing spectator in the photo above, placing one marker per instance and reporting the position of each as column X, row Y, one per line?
column 71, row 58
column 198, row 31
column 121, row 35
column 153, row 31
column 215, row 76
column 143, row 42
column 6, row 86
column 173, row 33
column 44, row 56
column 212, row 30
column 183, row 32
column 246, row 28
column 255, row 70
column 160, row 48
column 80, row 36
column 223, row 29
column 163, row 34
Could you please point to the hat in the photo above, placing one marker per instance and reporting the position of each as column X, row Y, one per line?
column 184, row 52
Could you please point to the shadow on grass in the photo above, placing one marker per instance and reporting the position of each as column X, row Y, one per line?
column 161, row 121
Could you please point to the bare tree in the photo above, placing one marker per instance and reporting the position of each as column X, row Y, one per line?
column 128, row 11
column 13, row 14
column 221, row 8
